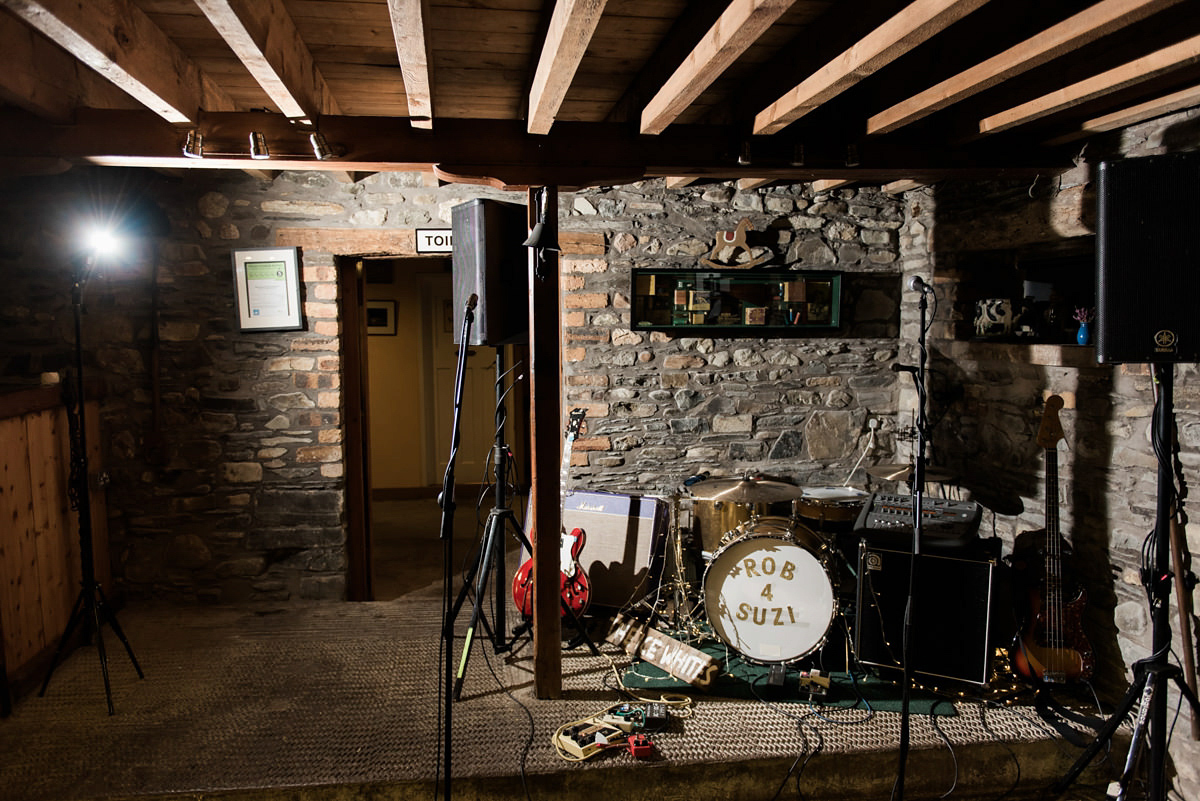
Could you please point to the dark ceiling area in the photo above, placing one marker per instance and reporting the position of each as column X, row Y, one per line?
column 588, row 92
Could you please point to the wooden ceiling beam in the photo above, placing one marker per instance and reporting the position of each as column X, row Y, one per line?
column 913, row 25
column 1140, row 70
column 263, row 36
column 738, row 27
column 1056, row 41
column 1158, row 107
column 38, row 76
column 118, row 40
column 679, row 181
column 571, row 28
column 412, row 48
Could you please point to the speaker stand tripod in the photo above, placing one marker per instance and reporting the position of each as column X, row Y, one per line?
column 1152, row 673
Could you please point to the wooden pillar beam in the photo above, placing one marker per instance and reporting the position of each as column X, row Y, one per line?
column 546, row 437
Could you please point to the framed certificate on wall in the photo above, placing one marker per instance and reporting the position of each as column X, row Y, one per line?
column 267, row 289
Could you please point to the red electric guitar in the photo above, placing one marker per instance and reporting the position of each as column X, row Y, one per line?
column 1052, row 647
column 573, row 581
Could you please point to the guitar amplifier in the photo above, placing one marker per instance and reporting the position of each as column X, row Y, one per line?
column 955, row 625
column 623, row 536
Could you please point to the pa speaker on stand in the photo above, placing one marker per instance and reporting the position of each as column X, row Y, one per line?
column 490, row 262
column 1148, row 260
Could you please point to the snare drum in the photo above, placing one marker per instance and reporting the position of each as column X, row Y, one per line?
column 767, row 594
column 832, row 508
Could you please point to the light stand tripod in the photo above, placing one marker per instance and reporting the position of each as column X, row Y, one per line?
column 91, row 607
column 1152, row 673
column 491, row 553
column 918, row 490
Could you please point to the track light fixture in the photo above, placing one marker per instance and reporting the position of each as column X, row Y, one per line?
column 258, row 146
column 193, row 146
column 543, row 235
column 320, row 147
column 798, row 155
column 744, row 158
column 852, row 155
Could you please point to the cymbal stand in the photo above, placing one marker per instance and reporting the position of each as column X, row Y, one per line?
column 1150, row 675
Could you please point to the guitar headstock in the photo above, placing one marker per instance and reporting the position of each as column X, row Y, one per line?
column 1051, row 430
column 575, row 424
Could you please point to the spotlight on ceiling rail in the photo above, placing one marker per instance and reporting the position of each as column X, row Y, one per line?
column 193, row 146
column 320, row 147
column 258, row 146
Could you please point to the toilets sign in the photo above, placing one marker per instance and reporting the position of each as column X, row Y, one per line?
column 435, row 240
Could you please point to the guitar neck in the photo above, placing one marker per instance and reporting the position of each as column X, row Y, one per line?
column 1054, row 544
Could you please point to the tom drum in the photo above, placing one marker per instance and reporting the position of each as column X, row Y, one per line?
column 830, row 508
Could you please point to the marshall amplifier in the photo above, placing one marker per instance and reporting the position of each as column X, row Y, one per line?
column 622, row 543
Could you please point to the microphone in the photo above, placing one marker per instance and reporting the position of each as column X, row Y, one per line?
column 903, row 368
column 472, row 301
column 916, row 284
column 696, row 479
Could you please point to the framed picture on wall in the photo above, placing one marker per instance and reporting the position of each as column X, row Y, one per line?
column 267, row 289
column 381, row 318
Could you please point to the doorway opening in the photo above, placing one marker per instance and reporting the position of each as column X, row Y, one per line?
column 400, row 371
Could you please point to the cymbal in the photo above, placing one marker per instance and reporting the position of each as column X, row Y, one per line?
column 745, row 490
column 904, row 472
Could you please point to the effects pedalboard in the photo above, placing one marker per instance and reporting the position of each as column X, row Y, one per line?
column 620, row 726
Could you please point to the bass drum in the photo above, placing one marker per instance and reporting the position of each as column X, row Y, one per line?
column 769, row 597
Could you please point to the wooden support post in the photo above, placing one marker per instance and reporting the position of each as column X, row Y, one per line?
column 546, row 439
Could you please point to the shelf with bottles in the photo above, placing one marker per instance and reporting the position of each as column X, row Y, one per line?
column 736, row 302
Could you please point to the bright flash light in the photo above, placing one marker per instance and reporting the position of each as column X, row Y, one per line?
column 102, row 242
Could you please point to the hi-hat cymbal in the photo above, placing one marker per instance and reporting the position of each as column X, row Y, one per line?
column 745, row 490
column 904, row 472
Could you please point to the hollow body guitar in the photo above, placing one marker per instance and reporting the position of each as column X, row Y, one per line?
column 1051, row 647
column 573, row 581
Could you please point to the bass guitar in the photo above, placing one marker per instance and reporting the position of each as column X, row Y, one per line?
column 573, row 581
column 1051, row 647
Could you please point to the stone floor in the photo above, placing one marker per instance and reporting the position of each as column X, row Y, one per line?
column 339, row 701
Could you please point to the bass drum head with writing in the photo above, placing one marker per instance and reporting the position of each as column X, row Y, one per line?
column 768, row 598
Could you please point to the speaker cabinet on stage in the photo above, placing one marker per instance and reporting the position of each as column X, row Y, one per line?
column 1148, row 260
column 491, row 262
column 622, row 543
column 951, row 634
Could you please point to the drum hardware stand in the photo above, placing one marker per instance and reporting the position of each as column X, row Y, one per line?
column 916, row 284
column 91, row 607
column 1151, row 674
column 446, row 501
column 491, row 552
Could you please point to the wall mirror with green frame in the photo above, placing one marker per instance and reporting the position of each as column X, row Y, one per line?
column 736, row 302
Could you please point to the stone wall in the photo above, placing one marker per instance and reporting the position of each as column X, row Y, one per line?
column 663, row 407
column 987, row 397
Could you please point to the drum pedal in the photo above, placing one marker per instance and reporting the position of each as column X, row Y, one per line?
column 813, row 684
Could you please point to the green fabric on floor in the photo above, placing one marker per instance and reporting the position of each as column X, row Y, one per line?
column 738, row 678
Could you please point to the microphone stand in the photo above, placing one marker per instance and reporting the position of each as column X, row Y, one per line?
column 918, row 491
column 446, row 501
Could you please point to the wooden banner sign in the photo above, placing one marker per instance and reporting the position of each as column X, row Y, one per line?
column 680, row 660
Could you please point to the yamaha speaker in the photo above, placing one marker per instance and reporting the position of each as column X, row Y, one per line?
column 952, row 636
column 491, row 263
column 622, row 543
column 1148, row 260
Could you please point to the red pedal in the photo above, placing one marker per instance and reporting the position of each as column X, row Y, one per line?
column 640, row 746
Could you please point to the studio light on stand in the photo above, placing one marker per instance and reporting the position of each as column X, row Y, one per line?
column 91, row 608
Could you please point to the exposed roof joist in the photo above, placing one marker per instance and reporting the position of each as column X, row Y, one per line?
column 571, row 29
column 116, row 39
column 409, row 18
column 916, row 23
column 736, row 29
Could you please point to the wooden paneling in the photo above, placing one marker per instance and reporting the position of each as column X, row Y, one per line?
column 39, row 543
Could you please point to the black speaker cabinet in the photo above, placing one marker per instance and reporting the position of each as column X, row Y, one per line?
column 490, row 262
column 1148, row 260
column 952, row 612
column 622, row 551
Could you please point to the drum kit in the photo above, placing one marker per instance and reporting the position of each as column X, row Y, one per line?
column 772, row 571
